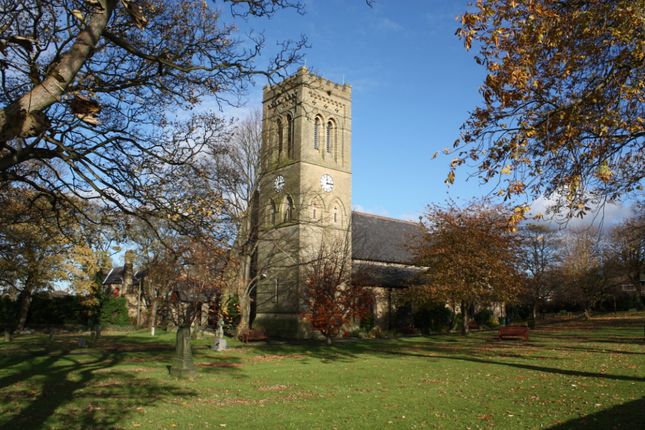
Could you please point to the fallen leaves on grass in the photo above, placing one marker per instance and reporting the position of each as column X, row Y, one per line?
column 277, row 387
column 274, row 357
column 218, row 364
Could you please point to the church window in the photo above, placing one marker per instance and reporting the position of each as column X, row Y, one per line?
column 278, row 125
column 289, row 136
column 288, row 210
column 316, row 209
column 335, row 144
column 317, row 133
column 272, row 213
column 335, row 214
column 329, row 136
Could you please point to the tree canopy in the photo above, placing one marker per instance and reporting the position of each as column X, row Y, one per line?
column 90, row 92
column 471, row 256
column 562, row 113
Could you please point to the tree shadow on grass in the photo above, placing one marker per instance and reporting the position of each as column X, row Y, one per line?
column 304, row 350
column 83, row 388
column 630, row 415
column 554, row 370
column 347, row 350
column 470, row 350
column 598, row 350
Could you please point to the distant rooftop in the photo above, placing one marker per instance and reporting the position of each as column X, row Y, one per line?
column 115, row 277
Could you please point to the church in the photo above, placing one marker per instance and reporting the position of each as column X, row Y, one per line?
column 304, row 199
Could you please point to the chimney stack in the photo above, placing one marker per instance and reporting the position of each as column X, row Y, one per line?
column 128, row 272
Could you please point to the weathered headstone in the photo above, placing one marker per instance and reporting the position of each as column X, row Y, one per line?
column 182, row 366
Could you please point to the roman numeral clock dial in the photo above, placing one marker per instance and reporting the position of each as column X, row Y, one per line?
column 326, row 183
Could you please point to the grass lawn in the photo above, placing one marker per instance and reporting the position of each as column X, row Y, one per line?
column 570, row 375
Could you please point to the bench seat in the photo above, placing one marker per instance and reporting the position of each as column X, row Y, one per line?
column 514, row 332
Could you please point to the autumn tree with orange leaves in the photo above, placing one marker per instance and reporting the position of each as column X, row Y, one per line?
column 330, row 299
column 471, row 256
column 562, row 113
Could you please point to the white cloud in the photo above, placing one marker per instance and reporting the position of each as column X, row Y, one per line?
column 600, row 215
column 374, row 211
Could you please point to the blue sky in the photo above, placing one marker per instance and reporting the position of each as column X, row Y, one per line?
column 413, row 86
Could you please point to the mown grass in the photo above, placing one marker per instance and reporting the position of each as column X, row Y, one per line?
column 570, row 375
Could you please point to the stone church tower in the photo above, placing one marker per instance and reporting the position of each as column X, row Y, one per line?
column 304, row 191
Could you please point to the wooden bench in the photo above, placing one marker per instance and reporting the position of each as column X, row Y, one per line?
column 252, row 335
column 514, row 331
column 472, row 325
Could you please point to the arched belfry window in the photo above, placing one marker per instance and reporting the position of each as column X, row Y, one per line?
column 337, row 213
column 317, row 125
column 289, row 136
column 288, row 209
column 329, row 136
column 280, row 132
column 316, row 209
column 272, row 215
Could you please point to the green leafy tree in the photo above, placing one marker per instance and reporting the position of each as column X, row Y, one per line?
column 33, row 247
column 113, row 310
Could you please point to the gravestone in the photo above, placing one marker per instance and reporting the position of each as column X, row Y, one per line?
column 219, row 344
column 182, row 366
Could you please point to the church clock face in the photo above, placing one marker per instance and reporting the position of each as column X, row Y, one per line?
column 326, row 183
column 278, row 183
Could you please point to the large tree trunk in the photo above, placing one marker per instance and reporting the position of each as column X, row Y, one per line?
column 587, row 313
column 245, row 295
column 534, row 313
column 245, row 313
column 24, row 117
column 25, row 302
column 153, row 317
column 464, row 312
column 453, row 319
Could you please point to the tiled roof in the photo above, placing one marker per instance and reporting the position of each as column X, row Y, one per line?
column 387, row 240
column 115, row 277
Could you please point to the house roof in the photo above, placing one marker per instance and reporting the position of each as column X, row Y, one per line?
column 116, row 276
column 382, row 239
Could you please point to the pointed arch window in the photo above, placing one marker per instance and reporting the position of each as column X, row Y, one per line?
column 335, row 215
column 278, row 125
column 272, row 213
column 289, row 136
column 288, row 209
column 329, row 136
column 316, row 210
column 317, row 125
